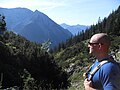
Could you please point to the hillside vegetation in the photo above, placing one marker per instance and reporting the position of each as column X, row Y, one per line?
column 22, row 61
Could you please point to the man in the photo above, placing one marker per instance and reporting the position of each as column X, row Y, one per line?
column 108, row 75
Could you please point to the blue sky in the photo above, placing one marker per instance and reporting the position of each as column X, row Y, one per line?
column 72, row 12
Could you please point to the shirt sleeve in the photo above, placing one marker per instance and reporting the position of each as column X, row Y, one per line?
column 110, row 77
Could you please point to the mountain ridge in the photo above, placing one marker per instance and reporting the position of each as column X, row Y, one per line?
column 35, row 26
column 75, row 29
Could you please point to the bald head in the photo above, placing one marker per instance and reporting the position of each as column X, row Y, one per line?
column 101, row 38
column 99, row 45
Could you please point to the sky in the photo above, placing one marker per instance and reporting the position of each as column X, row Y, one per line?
column 71, row 12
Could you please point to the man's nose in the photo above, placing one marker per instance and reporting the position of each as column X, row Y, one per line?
column 88, row 45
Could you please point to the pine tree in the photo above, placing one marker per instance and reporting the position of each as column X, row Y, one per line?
column 2, row 24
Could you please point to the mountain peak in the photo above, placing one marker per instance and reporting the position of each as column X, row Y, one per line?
column 36, row 11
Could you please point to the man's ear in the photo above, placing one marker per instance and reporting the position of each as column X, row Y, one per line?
column 100, row 46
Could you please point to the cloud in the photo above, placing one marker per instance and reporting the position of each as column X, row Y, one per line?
column 48, row 5
column 31, row 4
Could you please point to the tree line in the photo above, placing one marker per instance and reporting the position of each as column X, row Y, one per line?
column 109, row 25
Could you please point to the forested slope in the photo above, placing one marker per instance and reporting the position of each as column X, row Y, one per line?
column 26, row 65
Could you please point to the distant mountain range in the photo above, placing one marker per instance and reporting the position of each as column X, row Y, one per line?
column 74, row 29
column 35, row 26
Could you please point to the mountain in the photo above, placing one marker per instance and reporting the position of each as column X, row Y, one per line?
column 74, row 29
column 35, row 26
column 14, row 16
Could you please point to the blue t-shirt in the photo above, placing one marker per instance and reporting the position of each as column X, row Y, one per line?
column 107, row 77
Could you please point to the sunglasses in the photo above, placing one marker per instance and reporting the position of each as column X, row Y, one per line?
column 94, row 43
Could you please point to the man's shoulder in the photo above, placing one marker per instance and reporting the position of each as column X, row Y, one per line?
column 110, row 64
column 111, row 67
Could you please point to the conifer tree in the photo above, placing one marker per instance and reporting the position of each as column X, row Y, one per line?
column 2, row 24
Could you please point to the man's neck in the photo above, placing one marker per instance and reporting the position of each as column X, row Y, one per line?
column 102, row 56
